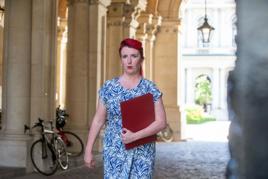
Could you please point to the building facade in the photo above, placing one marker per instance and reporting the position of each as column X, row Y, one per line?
column 59, row 52
column 214, row 59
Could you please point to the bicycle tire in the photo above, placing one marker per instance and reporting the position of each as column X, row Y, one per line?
column 166, row 137
column 73, row 142
column 47, row 164
column 61, row 153
column 166, row 134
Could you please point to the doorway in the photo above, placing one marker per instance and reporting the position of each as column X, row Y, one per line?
column 212, row 61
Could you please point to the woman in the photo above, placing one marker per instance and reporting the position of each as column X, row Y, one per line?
column 120, row 163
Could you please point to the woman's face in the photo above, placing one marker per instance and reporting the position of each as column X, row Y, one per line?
column 131, row 60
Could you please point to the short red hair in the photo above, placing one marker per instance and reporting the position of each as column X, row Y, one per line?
column 132, row 43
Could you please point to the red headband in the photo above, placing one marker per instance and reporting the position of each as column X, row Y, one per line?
column 133, row 44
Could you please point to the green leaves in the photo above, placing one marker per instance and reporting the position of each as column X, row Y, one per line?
column 203, row 94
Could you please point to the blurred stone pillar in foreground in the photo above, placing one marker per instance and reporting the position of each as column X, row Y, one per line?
column 249, row 102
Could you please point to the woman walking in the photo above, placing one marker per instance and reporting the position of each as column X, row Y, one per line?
column 119, row 163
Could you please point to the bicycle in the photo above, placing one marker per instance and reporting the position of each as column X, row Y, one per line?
column 48, row 152
column 166, row 134
column 74, row 144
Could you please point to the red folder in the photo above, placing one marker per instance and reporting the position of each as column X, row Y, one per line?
column 138, row 113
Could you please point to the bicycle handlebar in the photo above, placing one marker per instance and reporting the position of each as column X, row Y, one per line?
column 37, row 124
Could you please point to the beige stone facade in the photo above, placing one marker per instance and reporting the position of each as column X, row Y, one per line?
column 59, row 52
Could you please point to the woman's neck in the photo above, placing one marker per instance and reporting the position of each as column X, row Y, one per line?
column 132, row 78
column 128, row 81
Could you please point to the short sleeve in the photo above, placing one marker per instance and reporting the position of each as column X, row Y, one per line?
column 103, row 93
column 155, row 92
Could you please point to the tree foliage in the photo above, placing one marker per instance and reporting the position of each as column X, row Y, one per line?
column 203, row 94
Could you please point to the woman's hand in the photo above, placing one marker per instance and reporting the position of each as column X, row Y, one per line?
column 128, row 136
column 89, row 160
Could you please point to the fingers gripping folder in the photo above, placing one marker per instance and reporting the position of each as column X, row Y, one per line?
column 137, row 114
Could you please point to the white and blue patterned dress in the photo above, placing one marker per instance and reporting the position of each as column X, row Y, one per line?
column 119, row 163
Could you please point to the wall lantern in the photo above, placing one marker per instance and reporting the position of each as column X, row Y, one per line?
column 205, row 28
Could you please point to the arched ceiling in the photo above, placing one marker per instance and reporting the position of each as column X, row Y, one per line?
column 152, row 6
column 165, row 8
column 62, row 7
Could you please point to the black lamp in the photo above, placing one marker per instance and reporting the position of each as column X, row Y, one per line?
column 205, row 28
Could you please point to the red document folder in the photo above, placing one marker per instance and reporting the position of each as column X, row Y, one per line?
column 138, row 113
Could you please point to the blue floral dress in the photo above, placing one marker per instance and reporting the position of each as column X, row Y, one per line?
column 119, row 163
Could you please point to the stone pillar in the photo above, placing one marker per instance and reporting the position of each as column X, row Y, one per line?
column 43, row 59
column 97, row 55
column 61, row 62
column 28, row 74
column 97, row 50
column 77, row 90
column 16, row 83
column 250, row 99
column 222, row 89
column 122, row 21
column 189, row 87
column 147, row 30
column 215, row 89
column 166, row 69
column 141, row 35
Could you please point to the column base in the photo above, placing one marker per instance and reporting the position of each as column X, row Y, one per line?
column 15, row 151
column 173, row 119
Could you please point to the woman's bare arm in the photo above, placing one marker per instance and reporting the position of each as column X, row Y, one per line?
column 96, row 125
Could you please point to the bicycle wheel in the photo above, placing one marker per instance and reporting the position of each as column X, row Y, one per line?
column 74, row 144
column 43, row 158
column 61, row 153
column 166, row 134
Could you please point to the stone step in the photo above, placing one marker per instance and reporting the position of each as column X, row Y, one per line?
column 11, row 172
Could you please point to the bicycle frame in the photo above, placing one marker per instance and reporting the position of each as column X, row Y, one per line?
column 48, row 142
column 74, row 144
column 50, row 158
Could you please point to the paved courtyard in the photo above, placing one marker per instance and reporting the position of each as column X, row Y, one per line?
column 183, row 160
column 193, row 159
column 214, row 131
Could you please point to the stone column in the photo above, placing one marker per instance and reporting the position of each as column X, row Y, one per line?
column 147, row 30
column 77, row 90
column 16, row 83
column 222, row 89
column 61, row 62
column 28, row 74
column 166, row 69
column 215, row 89
column 43, row 59
column 97, row 55
column 250, row 99
column 97, row 49
column 189, row 86
column 182, row 102
column 122, row 21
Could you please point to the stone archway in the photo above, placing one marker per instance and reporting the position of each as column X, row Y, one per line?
column 166, row 60
column 156, row 24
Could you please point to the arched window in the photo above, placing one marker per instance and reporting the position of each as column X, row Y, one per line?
column 203, row 91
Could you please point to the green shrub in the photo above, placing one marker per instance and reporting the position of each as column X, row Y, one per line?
column 196, row 115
